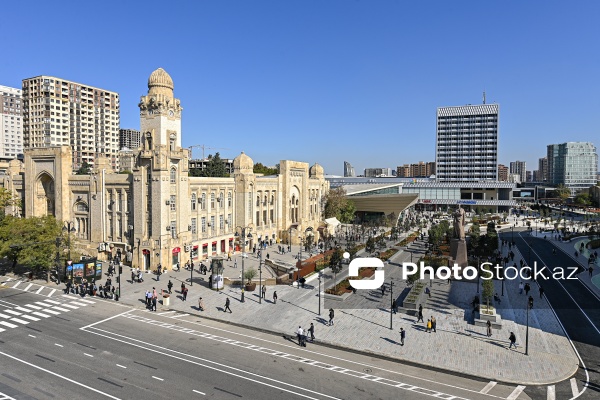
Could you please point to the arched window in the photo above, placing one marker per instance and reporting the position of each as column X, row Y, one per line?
column 194, row 198
column 81, row 207
column 173, row 175
column 221, row 200
column 229, row 199
column 257, row 201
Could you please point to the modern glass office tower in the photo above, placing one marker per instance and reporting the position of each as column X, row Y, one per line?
column 467, row 143
column 573, row 164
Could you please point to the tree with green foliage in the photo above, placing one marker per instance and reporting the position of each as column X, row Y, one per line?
column 335, row 263
column 259, row 168
column 487, row 286
column 563, row 192
column 85, row 169
column 370, row 245
column 339, row 206
column 215, row 167
column 583, row 199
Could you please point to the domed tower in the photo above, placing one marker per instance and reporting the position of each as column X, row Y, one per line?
column 316, row 171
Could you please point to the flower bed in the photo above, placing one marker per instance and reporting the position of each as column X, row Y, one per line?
column 413, row 298
column 387, row 254
column 344, row 286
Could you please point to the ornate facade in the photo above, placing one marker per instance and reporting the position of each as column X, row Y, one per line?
column 158, row 214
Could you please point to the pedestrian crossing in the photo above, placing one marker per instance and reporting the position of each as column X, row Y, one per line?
column 12, row 318
column 14, row 283
column 569, row 389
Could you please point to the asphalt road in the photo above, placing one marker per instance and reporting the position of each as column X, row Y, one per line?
column 96, row 349
column 576, row 306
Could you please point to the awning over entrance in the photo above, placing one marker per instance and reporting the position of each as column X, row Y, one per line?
column 177, row 250
column 145, row 252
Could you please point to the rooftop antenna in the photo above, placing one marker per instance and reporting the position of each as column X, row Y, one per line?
column 484, row 97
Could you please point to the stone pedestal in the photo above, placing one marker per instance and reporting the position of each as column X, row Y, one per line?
column 458, row 251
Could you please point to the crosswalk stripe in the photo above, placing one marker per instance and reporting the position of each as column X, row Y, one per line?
column 2, row 330
column 551, row 394
column 78, row 303
column 22, row 309
column 32, row 306
column 61, row 309
column 8, row 324
column 488, row 387
column 87, row 301
column 52, row 292
column 51, row 311
column 179, row 316
column 39, row 314
column 28, row 286
column 18, row 283
column 518, row 390
column 30, row 317
column 52, row 301
column 39, row 290
column 41, row 303
column 5, row 316
column 574, row 387
column 20, row 321
column 12, row 312
column 166, row 312
column 6, row 281
column 69, row 306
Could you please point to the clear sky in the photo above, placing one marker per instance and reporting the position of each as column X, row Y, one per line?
column 327, row 81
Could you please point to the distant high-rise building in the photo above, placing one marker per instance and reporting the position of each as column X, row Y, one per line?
column 416, row 170
column 467, row 143
column 129, row 138
column 528, row 176
column 348, row 170
column 536, row 176
column 519, row 167
column 11, row 122
column 543, row 169
column 573, row 164
column 502, row 173
column 375, row 172
column 58, row 112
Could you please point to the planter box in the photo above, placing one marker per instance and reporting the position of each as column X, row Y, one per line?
column 250, row 287
column 335, row 297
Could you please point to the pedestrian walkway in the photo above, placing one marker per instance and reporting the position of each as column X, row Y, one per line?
column 28, row 286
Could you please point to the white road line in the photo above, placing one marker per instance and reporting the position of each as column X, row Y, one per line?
column 197, row 391
column 60, row 376
column 39, row 290
column 41, row 303
column 22, row 309
column 19, row 321
column 39, row 314
column 8, row 324
column 179, row 316
column 30, row 317
column 518, row 390
column 107, row 319
column 51, row 311
column 166, row 312
column 2, row 330
column 70, row 306
column 52, row 292
column 31, row 336
column 551, row 395
column 78, row 303
column 18, row 283
column 89, row 355
column 5, row 316
column 121, row 366
column 32, row 306
column 156, row 377
column 6, row 281
column 59, row 345
column 12, row 312
column 52, row 301
column 488, row 387
column 87, row 301
column 61, row 309
column 28, row 286
column 574, row 387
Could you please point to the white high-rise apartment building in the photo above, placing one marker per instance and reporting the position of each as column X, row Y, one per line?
column 519, row 168
column 11, row 122
column 60, row 112
column 467, row 143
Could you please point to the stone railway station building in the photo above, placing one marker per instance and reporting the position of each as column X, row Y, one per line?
column 157, row 212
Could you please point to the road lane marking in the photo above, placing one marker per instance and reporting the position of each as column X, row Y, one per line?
column 87, row 301
column 18, row 283
column 61, row 309
column 52, row 292
column 41, row 303
column 60, row 376
column 8, row 324
column 30, row 317
column 488, row 387
column 156, row 377
column 6, row 281
column 89, row 355
column 77, row 303
column 197, row 391
column 179, row 316
column 518, row 390
column 51, row 311
column 551, row 395
column 52, row 301
column 39, row 290
column 28, row 286
column 31, row 336
column 20, row 321
column 59, row 345
column 574, row 387
column 121, row 366
column 166, row 312
column 12, row 312
column 70, row 306
column 2, row 330
column 107, row 319
column 5, row 316
column 33, row 307
column 22, row 309
column 39, row 314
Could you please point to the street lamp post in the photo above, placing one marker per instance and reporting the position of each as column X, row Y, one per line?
column 529, row 306
column 299, row 263
column 260, row 277
column 191, row 267
column 243, row 237
column 69, row 227
column 320, row 276
column 391, row 303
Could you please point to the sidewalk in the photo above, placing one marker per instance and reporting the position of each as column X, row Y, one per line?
column 457, row 346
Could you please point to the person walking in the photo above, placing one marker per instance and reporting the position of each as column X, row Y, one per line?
column 591, row 270
column 229, row 256
column 227, row 306
column 489, row 328
column 513, row 340
column 394, row 307
column 301, row 337
column 132, row 275
column 383, row 290
column 201, row 304
column 420, row 315
column 158, row 272
column 402, row 336
column 185, row 292
column 521, row 288
column 527, row 288
column 433, row 324
column 427, row 291
column 264, row 291
column 182, row 287
column 331, row 316
column 169, row 286
column 274, row 297
column 428, row 326
column 311, row 330
column 154, row 300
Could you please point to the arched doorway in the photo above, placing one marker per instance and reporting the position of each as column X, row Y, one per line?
column 44, row 199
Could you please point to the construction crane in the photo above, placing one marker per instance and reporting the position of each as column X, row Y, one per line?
column 203, row 147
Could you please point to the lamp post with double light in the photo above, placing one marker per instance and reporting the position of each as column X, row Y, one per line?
column 242, row 235
column 69, row 227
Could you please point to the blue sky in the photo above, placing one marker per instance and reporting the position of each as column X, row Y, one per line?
column 327, row 81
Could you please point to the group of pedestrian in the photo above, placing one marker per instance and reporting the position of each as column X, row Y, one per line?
column 302, row 337
column 151, row 299
column 137, row 274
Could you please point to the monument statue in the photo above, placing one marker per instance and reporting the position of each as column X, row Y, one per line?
column 459, row 223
